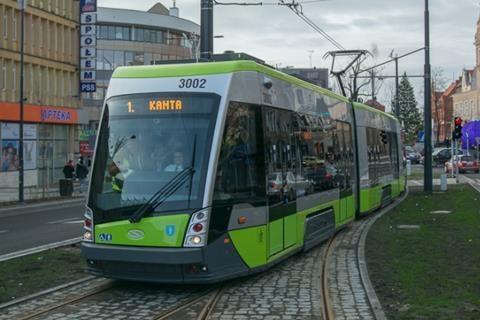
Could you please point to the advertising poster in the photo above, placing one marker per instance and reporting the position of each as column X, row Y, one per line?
column 9, row 160
column 12, row 131
column 30, row 155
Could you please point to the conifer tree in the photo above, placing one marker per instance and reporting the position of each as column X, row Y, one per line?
column 409, row 114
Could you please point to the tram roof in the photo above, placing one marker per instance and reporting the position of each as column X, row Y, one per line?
column 210, row 68
column 358, row 105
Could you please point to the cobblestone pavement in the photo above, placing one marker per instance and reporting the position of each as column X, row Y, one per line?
column 123, row 301
column 289, row 291
column 348, row 296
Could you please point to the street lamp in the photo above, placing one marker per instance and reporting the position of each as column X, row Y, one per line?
column 427, row 174
column 22, row 5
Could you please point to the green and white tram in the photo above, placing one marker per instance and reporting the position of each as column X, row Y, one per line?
column 204, row 172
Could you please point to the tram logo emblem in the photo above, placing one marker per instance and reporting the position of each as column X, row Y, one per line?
column 135, row 234
column 105, row 237
column 170, row 230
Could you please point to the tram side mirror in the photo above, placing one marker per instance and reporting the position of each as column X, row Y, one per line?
column 267, row 83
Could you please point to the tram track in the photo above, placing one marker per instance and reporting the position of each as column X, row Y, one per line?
column 212, row 296
column 327, row 309
column 54, row 306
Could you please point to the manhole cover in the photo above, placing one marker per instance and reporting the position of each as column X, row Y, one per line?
column 408, row 226
column 440, row 212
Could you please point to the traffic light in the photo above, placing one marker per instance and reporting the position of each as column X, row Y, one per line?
column 383, row 137
column 457, row 131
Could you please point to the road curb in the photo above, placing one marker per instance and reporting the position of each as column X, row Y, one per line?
column 11, row 209
column 362, row 263
column 26, row 252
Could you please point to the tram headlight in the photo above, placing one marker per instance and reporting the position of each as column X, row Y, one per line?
column 197, row 229
column 87, row 236
column 197, row 239
column 88, row 225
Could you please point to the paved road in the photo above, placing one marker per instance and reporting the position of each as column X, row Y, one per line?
column 33, row 226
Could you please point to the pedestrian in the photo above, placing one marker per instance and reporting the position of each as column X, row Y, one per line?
column 68, row 170
column 81, row 172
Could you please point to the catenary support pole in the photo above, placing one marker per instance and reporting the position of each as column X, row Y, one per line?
column 397, row 103
column 206, row 29
column 22, row 4
column 427, row 184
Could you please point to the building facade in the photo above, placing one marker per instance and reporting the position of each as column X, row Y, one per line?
column 51, row 90
column 442, row 113
column 466, row 101
column 131, row 37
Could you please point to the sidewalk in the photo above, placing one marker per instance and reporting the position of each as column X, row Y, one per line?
column 38, row 194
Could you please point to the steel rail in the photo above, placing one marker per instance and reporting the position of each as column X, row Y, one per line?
column 54, row 306
column 327, row 308
column 194, row 299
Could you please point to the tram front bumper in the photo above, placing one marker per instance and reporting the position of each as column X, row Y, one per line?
column 164, row 265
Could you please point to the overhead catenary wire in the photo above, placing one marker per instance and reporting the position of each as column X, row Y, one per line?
column 276, row 3
column 297, row 9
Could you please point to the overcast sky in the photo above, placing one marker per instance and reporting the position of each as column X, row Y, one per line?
column 276, row 35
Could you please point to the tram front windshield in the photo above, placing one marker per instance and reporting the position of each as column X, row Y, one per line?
column 145, row 140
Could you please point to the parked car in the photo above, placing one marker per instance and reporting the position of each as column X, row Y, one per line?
column 442, row 155
column 465, row 163
column 287, row 185
column 412, row 155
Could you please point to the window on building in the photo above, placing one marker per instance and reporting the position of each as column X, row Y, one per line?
column 14, row 26
column 118, row 59
column 160, row 37
column 129, row 58
column 4, row 75
column 118, row 33
column 111, row 32
column 5, row 23
column 108, row 59
column 100, row 61
column 103, row 32
column 126, row 33
column 14, row 76
column 139, row 34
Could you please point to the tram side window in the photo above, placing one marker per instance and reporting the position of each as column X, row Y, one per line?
column 316, row 149
column 344, row 155
column 393, row 152
column 284, row 182
column 373, row 154
column 240, row 176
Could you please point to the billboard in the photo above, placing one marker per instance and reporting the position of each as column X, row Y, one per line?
column 88, row 42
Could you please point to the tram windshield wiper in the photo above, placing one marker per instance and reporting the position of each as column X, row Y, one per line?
column 163, row 194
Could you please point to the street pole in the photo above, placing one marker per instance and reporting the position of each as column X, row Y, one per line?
column 373, row 87
column 206, row 29
column 427, row 184
column 22, row 4
column 397, row 103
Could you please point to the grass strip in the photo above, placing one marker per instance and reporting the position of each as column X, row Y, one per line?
column 431, row 272
column 34, row 273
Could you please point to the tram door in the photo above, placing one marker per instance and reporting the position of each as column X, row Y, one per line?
column 281, row 190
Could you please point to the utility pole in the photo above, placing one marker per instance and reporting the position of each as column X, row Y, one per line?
column 397, row 102
column 372, row 79
column 22, row 4
column 206, row 29
column 427, row 183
